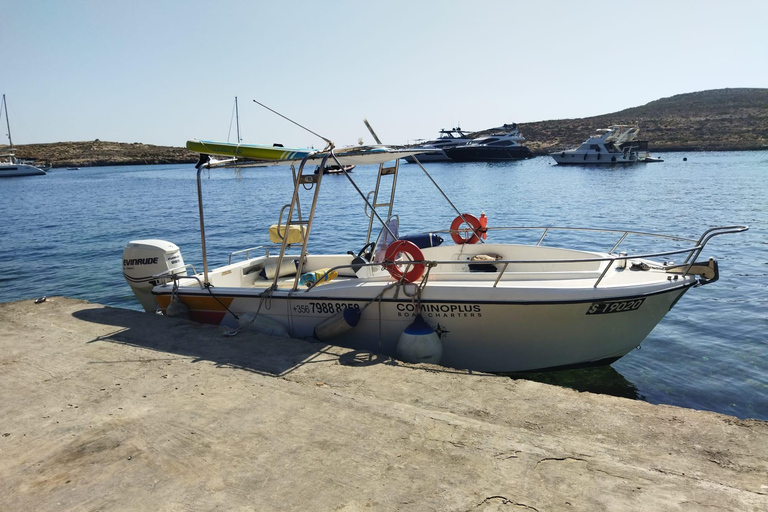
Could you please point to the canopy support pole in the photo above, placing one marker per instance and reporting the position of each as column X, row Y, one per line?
column 202, row 226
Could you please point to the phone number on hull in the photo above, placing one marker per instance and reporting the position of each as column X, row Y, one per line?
column 323, row 307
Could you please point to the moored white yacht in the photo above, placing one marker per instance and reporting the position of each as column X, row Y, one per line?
column 11, row 167
column 471, row 303
column 616, row 144
column 447, row 139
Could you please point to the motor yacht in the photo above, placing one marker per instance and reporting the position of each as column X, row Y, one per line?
column 501, row 144
column 616, row 144
column 446, row 140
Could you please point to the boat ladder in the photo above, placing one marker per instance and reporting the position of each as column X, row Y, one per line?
column 391, row 170
column 301, row 181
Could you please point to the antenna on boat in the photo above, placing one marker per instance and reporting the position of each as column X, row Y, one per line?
column 237, row 118
column 7, row 122
column 330, row 144
column 371, row 130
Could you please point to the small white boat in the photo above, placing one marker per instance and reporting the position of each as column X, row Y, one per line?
column 10, row 166
column 470, row 303
column 436, row 147
column 336, row 169
column 617, row 144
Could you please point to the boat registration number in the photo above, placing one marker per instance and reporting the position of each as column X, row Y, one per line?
column 614, row 306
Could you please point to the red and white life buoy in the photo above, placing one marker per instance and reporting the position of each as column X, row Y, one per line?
column 473, row 222
column 413, row 252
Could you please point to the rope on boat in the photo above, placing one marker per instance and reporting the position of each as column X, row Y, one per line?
column 401, row 284
column 330, row 144
column 208, row 287
column 266, row 300
column 266, row 297
column 475, row 232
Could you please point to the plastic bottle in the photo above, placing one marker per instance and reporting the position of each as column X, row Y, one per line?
column 483, row 225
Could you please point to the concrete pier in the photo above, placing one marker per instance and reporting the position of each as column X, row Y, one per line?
column 111, row 409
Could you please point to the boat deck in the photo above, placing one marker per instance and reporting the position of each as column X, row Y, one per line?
column 522, row 267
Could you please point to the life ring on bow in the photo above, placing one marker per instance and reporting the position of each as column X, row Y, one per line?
column 412, row 251
column 473, row 222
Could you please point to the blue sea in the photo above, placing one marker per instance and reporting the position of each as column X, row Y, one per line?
column 63, row 234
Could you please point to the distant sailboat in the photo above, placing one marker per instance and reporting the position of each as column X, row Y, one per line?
column 234, row 158
column 236, row 114
column 10, row 166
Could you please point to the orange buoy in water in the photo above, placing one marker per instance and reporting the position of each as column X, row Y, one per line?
column 474, row 224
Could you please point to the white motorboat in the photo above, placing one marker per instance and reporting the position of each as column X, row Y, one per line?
column 616, row 144
column 436, row 147
column 10, row 166
column 470, row 303
column 501, row 144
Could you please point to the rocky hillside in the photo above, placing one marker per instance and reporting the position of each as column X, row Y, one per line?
column 717, row 120
column 93, row 153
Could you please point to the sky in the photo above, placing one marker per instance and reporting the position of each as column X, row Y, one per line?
column 162, row 72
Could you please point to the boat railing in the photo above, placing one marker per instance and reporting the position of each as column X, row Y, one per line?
column 611, row 259
column 691, row 252
column 624, row 233
column 171, row 273
column 248, row 251
column 177, row 277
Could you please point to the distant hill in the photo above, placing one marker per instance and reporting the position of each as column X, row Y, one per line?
column 97, row 152
column 716, row 120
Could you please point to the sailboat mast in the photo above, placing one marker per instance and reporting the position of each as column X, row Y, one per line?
column 237, row 118
column 7, row 121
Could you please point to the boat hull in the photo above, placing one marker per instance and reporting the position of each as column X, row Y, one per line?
column 438, row 156
column 494, row 335
column 16, row 170
column 250, row 151
column 581, row 158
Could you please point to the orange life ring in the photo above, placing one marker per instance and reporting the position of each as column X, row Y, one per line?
column 413, row 251
column 473, row 222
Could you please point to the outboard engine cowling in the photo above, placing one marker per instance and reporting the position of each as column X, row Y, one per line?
column 143, row 259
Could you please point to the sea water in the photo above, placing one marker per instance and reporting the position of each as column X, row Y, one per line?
column 64, row 233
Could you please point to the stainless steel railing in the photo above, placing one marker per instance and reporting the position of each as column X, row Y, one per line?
column 691, row 252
